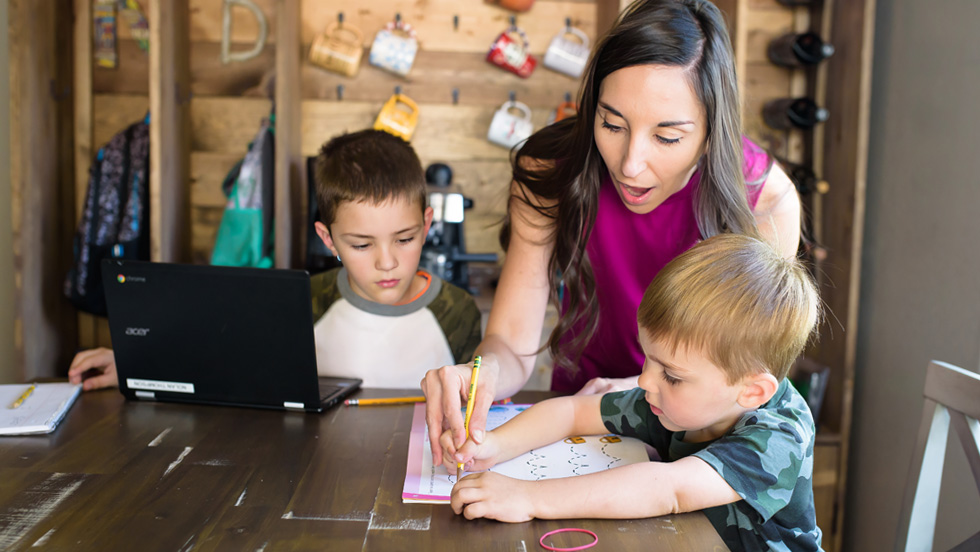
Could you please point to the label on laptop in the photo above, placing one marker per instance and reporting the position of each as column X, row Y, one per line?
column 158, row 385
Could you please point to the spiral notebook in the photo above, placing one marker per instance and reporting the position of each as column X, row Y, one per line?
column 40, row 411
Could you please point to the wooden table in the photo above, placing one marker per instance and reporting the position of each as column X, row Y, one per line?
column 120, row 475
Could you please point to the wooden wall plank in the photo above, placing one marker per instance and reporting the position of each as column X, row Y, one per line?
column 479, row 22
column 845, row 167
column 449, row 132
column 762, row 27
column 290, row 170
column 208, row 76
column 42, row 186
column 226, row 124
column 169, row 153
column 433, row 78
column 84, row 149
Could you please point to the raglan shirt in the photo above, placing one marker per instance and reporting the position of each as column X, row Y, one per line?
column 391, row 346
column 766, row 457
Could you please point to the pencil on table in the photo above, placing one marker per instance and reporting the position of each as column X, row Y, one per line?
column 386, row 401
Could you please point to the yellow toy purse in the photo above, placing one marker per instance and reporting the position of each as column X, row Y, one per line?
column 398, row 116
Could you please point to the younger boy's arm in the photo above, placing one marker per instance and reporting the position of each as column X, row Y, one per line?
column 636, row 491
column 542, row 424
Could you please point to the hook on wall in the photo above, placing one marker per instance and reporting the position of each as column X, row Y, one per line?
column 568, row 22
column 512, row 95
column 398, row 90
column 340, row 92
column 398, row 18
column 513, row 20
column 182, row 98
column 340, row 18
column 455, row 96
column 568, row 96
column 455, row 22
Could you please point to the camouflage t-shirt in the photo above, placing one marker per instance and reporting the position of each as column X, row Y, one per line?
column 766, row 457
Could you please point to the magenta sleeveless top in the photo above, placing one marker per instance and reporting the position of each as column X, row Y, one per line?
column 627, row 250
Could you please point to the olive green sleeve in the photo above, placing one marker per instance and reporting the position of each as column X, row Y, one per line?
column 459, row 318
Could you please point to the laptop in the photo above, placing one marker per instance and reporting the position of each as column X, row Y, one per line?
column 216, row 335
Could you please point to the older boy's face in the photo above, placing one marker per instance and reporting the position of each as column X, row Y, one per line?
column 380, row 244
column 687, row 392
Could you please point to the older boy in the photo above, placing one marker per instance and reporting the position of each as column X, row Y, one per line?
column 719, row 326
column 378, row 317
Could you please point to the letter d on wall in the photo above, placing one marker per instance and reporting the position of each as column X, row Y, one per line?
column 226, row 54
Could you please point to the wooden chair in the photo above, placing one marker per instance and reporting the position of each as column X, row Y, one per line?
column 952, row 395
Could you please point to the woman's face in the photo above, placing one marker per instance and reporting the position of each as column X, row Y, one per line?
column 650, row 129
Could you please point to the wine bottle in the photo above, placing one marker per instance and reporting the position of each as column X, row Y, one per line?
column 789, row 113
column 796, row 50
column 804, row 178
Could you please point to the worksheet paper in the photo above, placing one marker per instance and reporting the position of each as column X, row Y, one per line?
column 569, row 457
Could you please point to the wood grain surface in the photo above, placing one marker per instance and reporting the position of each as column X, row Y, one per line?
column 120, row 475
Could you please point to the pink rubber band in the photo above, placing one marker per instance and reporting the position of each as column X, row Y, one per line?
column 568, row 530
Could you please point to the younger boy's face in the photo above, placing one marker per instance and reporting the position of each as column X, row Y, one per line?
column 688, row 392
column 380, row 244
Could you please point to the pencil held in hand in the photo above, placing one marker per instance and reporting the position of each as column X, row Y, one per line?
column 469, row 408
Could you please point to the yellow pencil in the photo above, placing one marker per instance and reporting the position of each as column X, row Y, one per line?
column 469, row 408
column 23, row 396
column 380, row 402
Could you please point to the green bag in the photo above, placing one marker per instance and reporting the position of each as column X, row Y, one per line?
column 245, row 236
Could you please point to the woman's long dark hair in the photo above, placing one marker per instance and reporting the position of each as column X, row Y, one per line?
column 679, row 33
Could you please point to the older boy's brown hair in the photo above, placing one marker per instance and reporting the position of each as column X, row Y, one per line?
column 369, row 165
column 736, row 300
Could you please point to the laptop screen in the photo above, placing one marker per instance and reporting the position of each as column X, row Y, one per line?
column 210, row 334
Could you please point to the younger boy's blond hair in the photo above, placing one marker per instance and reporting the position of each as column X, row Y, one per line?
column 736, row 300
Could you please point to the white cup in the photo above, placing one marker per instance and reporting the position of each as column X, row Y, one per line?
column 509, row 128
column 568, row 56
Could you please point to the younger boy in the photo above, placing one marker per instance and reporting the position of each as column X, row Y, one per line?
column 720, row 326
column 378, row 317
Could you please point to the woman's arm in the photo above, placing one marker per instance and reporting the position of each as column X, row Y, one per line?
column 513, row 330
column 778, row 212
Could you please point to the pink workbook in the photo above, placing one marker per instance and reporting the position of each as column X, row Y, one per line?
column 569, row 457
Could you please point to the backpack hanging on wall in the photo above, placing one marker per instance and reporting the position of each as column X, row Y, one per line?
column 116, row 215
column 245, row 236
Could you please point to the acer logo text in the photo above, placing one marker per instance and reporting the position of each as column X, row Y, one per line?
column 138, row 332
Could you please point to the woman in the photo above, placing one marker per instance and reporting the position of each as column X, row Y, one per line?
column 654, row 162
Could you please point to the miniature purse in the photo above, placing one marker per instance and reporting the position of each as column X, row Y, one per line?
column 339, row 49
column 568, row 56
column 394, row 48
column 512, row 5
column 509, row 129
column 511, row 54
column 398, row 116
column 565, row 109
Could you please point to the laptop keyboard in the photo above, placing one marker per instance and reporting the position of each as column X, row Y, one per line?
column 328, row 390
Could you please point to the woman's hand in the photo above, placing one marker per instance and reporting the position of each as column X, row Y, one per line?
column 601, row 386
column 493, row 496
column 102, row 364
column 446, row 392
